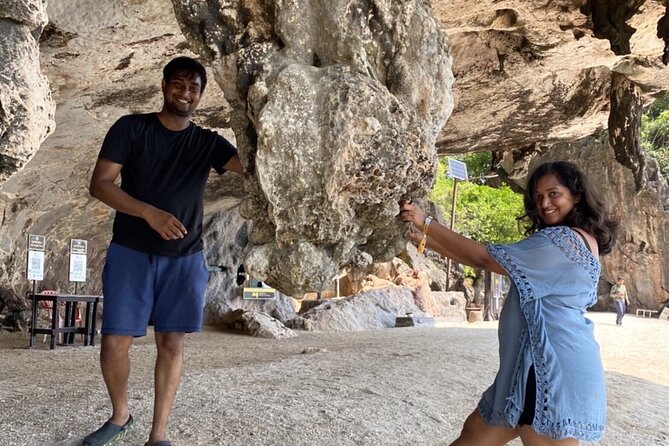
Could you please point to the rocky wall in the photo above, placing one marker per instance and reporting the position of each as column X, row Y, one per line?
column 26, row 108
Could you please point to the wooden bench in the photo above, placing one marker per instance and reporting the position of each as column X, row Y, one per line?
column 645, row 313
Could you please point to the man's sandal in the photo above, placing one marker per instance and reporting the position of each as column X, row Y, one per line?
column 108, row 433
column 160, row 443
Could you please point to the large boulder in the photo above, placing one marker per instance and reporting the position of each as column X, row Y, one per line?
column 377, row 308
column 332, row 131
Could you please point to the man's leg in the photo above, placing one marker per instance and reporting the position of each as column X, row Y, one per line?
column 167, row 376
column 178, row 309
column 115, row 364
column 619, row 317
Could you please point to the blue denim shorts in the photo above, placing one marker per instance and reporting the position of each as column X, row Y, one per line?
column 138, row 286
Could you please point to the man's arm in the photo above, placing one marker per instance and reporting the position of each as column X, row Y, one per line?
column 234, row 164
column 104, row 188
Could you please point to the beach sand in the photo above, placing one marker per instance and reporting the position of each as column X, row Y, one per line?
column 402, row 386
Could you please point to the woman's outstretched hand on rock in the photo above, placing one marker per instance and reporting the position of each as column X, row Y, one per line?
column 410, row 212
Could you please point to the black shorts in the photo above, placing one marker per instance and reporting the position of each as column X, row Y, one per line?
column 527, row 416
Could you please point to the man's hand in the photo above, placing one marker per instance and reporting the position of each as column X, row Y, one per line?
column 165, row 224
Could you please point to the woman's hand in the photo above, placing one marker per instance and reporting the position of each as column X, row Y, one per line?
column 409, row 212
column 413, row 234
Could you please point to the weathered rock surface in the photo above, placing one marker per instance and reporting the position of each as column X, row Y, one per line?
column 256, row 323
column 333, row 131
column 534, row 73
column 376, row 308
column 26, row 107
column 226, row 239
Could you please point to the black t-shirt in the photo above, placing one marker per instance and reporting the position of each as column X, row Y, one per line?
column 168, row 170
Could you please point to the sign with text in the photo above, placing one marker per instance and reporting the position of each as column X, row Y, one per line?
column 457, row 169
column 259, row 293
column 36, row 247
column 78, row 251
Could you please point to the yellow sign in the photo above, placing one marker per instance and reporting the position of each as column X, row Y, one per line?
column 259, row 293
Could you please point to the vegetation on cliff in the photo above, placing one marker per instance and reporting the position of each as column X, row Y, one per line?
column 655, row 133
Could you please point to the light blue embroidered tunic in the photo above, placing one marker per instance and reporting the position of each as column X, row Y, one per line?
column 554, row 279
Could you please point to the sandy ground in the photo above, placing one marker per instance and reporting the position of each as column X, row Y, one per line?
column 404, row 386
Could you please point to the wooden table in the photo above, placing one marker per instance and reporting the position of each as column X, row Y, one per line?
column 68, row 328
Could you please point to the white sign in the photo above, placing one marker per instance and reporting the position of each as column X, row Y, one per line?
column 78, row 246
column 457, row 169
column 35, row 265
column 36, row 242
column 36, row 247
column 78, row 249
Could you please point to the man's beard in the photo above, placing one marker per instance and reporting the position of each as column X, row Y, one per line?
column 176, row 111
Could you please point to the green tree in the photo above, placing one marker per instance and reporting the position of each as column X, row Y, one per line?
column 655, row 133
column 486, row 214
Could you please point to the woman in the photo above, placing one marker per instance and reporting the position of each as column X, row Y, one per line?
column 549, row 389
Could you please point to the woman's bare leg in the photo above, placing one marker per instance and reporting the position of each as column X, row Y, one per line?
column 531, row 438
column 476, row 432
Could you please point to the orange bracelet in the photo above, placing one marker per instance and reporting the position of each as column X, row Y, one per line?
column 426, row 226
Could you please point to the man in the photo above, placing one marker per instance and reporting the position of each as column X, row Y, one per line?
column 620, row 299
column 155, row 267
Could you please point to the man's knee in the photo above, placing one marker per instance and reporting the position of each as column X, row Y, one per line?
column 115, row 345
column 170, row 343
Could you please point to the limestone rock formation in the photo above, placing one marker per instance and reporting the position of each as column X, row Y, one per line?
column 376, row 308
column 536, row 73
column 256, row 323
column 530, row 74
column 332, row 131
column 226, row 239
column 26, row 107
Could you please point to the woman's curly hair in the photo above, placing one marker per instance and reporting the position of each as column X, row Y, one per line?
column 589, row 213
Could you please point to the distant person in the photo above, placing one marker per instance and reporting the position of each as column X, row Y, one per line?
column 620, row 299
column 155, row 267
column 549, row 388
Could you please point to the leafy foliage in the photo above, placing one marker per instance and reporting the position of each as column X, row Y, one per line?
column 486, row 214
column 655, row 133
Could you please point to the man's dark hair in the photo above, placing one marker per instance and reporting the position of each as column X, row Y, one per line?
column 185, row 64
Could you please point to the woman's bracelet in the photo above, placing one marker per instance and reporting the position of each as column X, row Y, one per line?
column 423, row 242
